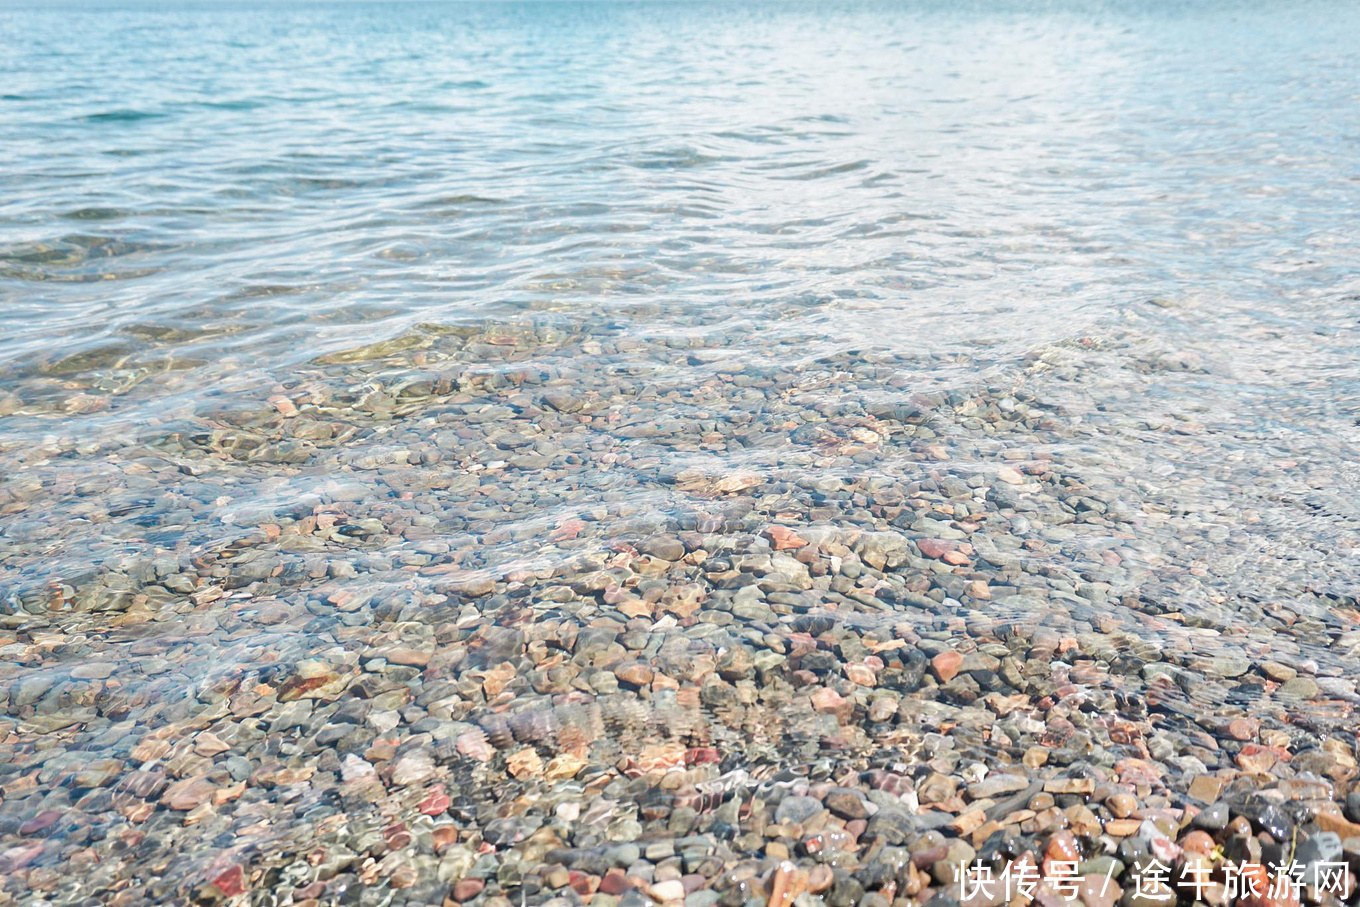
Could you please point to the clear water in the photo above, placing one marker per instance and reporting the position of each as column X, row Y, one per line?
column 249, row 185
column 211, row 212
column 196, row 200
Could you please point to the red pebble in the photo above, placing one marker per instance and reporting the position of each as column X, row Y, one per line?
column 702, row 755
column 231, row 882
column 935, row 547
column 435, row 802
column 16, row 858
column 307, row 892
column 614, row 882
column 467, row 889
column 946, row 665
column 582, row 883
column 41, row 822
column 396, row 835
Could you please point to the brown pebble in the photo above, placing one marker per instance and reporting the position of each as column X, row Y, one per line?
column 614, row 882
column 467, row 889
column 1122, row 805
column 1197, row 842
column 639, row 675
column 414, row 658
column 946, row 665
column 786, row 884
column 1206, row 788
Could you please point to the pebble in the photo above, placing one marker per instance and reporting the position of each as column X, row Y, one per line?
column 1212, row 818
column 664, row 547
column 1278, row 672
column 946, row 665
column 796, row 810
column 847, row 804
column 1206, row 788
column 1122, row 805
column 1299, row 688
column 533, row 620
column 996, row 785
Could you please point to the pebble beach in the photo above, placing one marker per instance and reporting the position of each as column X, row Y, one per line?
column 509, row 544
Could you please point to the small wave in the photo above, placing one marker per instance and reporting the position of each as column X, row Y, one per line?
column 95, row 214
column 238, row 104
column 120, row 116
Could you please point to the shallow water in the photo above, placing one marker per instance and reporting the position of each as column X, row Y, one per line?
column 201, row 200
column 319, row 316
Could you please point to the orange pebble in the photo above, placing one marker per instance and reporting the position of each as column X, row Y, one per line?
column 1062, row 848
column 1197, row 842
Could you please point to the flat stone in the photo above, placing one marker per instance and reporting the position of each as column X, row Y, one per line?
column 416, row 658
column 1271, row 818
column 967, row 823
column 946, row 665
column 188, row 794
column 894, row 825
column 1323, row 847
column 1229, row 665
column 936, row 788
column 1212, row 818
column 668, row 548
column 671, row 890
column 797, row 810
column 413, row 768
column 996, row 785
column 847, row 804
column 1277, row 672
column 563, row 403
column 1206, row 788
column 936, row 548
column 1299, row 688
column 94, row 670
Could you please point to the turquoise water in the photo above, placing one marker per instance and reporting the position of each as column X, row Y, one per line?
column 242, row 185
column 197, row 200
